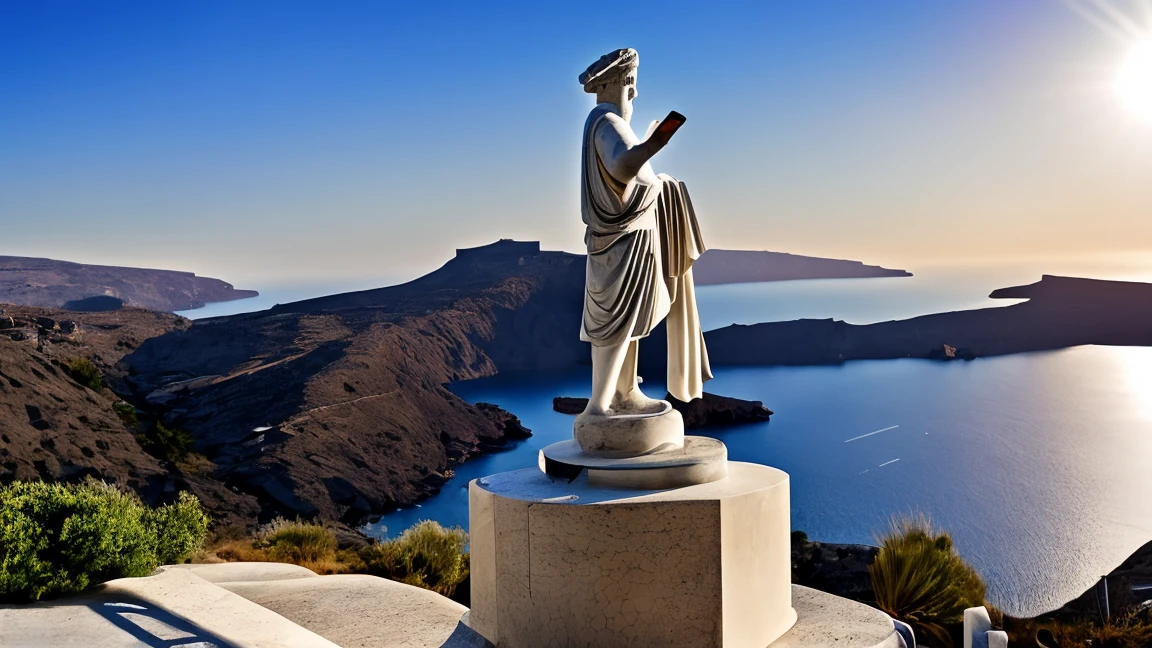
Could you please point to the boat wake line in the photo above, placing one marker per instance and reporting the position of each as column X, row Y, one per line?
column 871, row 433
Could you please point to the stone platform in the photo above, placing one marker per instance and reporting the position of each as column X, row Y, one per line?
column 569, row 564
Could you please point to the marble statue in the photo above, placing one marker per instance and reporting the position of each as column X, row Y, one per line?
column 639, row 535
column 642, row 238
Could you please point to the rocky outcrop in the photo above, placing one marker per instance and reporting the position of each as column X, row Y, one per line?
column 840, row 569
column 948, row 352
column 746, row 266
column 569, row 404
column 711, row 410
column 707, row 411
column 510, row 425
column 93, row 288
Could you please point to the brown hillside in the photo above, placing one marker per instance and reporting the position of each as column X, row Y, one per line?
column 51, row 426
column 337, row 406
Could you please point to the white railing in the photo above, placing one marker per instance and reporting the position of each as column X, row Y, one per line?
column 978, row 632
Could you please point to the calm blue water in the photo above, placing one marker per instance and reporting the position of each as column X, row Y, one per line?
column 857, row 301
column 1039, row 464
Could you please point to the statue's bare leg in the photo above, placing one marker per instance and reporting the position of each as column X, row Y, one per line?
column 629, row 396
column 607, row 361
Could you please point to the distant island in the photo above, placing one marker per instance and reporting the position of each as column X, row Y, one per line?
column 748, row 266
column 94, row 288
column 1060, row 312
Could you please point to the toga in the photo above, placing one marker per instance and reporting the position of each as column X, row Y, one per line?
column 642, row 238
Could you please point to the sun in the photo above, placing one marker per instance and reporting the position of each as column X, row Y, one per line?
column 1134, row 80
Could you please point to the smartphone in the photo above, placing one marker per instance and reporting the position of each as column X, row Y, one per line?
column 671, row 123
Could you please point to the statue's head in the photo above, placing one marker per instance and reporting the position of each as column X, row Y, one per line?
column 612, row 79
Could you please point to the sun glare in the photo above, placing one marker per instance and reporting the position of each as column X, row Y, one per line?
column 1134, row 81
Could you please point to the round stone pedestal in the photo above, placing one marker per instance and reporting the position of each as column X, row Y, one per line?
column 626, row 435
column 564, row 564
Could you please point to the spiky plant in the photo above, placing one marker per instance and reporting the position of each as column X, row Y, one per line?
column 919, row 578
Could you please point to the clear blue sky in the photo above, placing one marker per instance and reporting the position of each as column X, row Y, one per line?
column 259, row 140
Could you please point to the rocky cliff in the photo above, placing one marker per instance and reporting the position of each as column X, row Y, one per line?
column 80, row 287
column 337, row 406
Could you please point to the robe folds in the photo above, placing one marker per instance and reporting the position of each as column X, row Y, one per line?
column 642, row 238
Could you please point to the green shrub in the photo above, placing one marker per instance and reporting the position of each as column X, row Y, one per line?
column 84, row 372
column 298, row 542
column 171, row 443
column 919, row 578
column 61, row 538
column 426, row 555
column 179, row 528
column 127, row 413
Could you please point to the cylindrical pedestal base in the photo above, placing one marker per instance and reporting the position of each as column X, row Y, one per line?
column 566, row 564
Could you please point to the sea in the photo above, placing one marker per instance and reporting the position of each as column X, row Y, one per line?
column 1039, row 465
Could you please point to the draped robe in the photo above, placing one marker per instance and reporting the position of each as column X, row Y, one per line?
column 642, row 238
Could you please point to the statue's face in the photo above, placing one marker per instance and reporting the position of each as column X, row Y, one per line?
column 620, row 91
column 627, row 93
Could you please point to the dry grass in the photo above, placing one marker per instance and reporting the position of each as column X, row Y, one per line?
column 1132, row 629
column 307, row 544
column 426, row 555
column 196, row 464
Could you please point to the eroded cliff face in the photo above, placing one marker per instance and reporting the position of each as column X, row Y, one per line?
column 337, row 407
column 55, row 428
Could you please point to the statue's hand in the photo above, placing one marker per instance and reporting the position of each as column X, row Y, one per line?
column 651, row 128
column 663, row 132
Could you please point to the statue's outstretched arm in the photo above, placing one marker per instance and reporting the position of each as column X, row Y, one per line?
column 623, row 155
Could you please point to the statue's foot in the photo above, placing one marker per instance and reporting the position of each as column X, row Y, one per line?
column 635, row 402
column 593, row 410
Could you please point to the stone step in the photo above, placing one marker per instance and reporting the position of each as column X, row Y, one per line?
column 360, row 611
column 171, row 608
